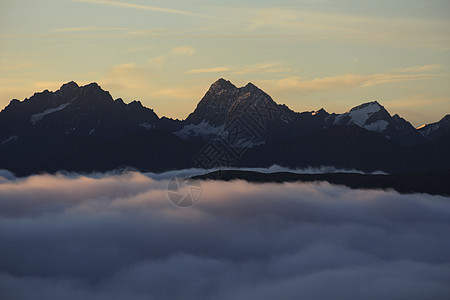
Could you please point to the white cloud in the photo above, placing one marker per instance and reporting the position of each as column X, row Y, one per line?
column 117, row 236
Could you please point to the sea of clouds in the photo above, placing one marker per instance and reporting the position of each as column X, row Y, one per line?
column 117, row 236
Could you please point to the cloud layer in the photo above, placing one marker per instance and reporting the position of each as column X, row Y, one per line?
column 117, row 236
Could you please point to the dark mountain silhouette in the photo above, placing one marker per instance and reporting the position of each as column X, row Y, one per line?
column 85, row 129
column 434, row 183
column 436, row 130
column 74, row 111
column 224, row 103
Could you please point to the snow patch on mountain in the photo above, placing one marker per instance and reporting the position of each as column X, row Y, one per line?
column 360, row 115
column 10, row 139
column 37, row 117
column 203, row 129
column 147, row 126
column 378, row 126
column 427, row 129
column 437, row 129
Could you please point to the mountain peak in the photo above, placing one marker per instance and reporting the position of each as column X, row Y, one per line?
column 135, row 103
column 93, row 86
column 437, row 129
column 251, row 87
column 370, row 115
column 225, row 102
column 372, row 105
column 69, row 85
column 222, row 84
column 320, row 112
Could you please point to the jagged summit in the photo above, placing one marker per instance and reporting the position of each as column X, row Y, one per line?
column 437, row 129
column 74, row 110
column 222, row 84
column 73, row 85
column 370, row 103
column 224, row 102
column 373, row 116
column 250, row 87
column 320, row 112
column 69, row 85
column 365, row 114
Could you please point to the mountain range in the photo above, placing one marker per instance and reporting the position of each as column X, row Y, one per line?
column 83, row 129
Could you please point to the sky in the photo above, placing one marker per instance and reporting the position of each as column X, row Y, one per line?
column 99, row 236
column 307, row 54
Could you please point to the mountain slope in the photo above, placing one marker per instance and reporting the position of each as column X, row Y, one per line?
column 373, row 116
column 437, row 129
column 224, row 102
column 73, row 110
column 434, row 183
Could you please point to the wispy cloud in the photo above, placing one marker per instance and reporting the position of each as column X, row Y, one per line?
column 153, row 32
column 315, row 24
column 418, row 69
column 210, row 70
column 20, row 66
column 149, row 85
column 183, row 50
column 256, row 68
column 177, row 51
column 88, row 29
column 142, row 7
column 179, row 92
column 345, row 81
column 263, row 68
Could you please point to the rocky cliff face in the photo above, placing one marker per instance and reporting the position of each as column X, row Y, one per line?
column 436, row 130
column 225, row 102
column 74, row 110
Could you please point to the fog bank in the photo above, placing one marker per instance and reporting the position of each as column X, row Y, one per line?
column 117, row 236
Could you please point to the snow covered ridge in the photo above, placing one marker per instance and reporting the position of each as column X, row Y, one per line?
column 147, row 126
column 434, row 128
column 205, row 130
column 10, row 139
column 202, row 129
column 427, row 129
column 37, row 117
column 360, row 115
